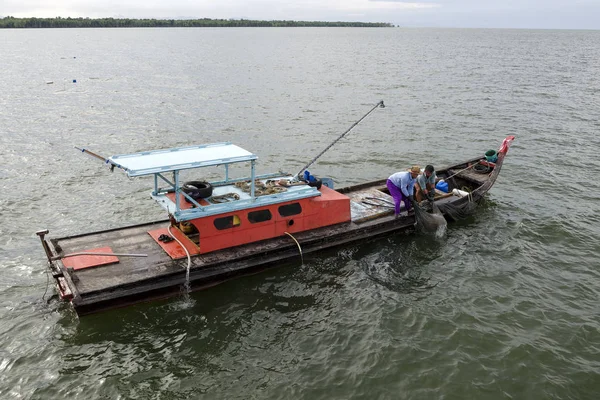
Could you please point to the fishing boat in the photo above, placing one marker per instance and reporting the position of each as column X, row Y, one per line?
column 231, row 227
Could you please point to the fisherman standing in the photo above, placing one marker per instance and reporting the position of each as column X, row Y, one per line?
column 401, row 186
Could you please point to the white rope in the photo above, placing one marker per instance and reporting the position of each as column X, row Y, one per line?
column 298, row 244
column 186, row 252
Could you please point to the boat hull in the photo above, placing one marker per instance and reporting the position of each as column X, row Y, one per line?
column 131, row 280
column 161, row 281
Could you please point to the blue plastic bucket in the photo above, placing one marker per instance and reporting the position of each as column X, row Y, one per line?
column 443, row 186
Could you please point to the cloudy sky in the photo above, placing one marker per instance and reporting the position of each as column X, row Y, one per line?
column 551, row 14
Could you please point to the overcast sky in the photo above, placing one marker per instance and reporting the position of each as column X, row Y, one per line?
column 551, row 14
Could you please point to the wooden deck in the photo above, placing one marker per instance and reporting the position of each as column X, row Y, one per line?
column 135, row 279
column 470, row 175
column 370, row 203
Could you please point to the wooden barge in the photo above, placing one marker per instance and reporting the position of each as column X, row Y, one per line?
column 225, row 229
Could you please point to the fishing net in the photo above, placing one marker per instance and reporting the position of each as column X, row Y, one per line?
column 433, row 221
column 457, row 212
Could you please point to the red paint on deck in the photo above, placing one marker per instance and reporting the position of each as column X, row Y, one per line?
column 85, row 261
column 487, row 163
column 172, row 248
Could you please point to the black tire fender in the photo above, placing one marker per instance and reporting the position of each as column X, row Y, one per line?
column 197, row 189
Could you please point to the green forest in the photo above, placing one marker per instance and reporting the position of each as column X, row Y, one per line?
column 58, row 22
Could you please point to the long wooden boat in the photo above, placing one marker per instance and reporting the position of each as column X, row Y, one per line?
column 233, row 227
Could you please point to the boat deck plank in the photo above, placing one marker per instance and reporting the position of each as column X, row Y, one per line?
column 369, row 203
column 470, row 175
column 131, row 240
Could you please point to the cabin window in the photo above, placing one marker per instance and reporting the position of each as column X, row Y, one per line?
column 227, row 222
column 259, row 216
column 290, row 209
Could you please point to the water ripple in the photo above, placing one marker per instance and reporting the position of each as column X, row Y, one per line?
column 503, row 306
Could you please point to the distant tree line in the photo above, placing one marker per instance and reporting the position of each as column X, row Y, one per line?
column 58, row 22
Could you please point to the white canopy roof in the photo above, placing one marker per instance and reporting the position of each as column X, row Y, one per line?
column 156, row 161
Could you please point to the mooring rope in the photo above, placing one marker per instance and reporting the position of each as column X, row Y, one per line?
column 224, row 198
column 462, row 170
column 186, row 252
column 469, row 193
column 298, row 244
column 47, row 283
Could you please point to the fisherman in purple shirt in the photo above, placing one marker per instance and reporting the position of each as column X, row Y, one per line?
column 401, row 186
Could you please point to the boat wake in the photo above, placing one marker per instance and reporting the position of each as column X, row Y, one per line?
column 396, row 276
column 185, row 302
